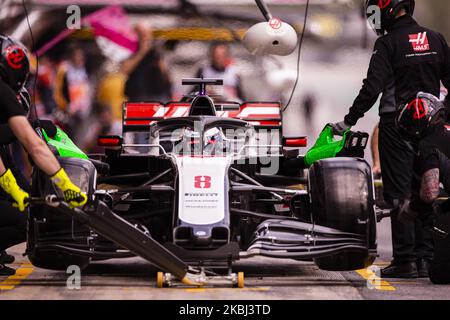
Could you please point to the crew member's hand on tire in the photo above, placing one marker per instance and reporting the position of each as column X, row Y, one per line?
column 339, row 128
column 9, row 184
column 72, row 194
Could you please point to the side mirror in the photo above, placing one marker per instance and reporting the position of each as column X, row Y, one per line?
column 273, row 37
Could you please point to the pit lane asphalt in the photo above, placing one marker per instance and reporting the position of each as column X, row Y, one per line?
column 265, row 279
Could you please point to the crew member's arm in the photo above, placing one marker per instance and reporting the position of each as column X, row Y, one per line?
column 129, row 65
column 380, row 71
column 429, row 188
column 8, row 137
column 37, row 149
column 375, row 152
column 34, row 145
column 44, row 159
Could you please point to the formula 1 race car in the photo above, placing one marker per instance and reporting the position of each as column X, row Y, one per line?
column 205, row 183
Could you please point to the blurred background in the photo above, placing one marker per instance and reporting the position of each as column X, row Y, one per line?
column 141, row 49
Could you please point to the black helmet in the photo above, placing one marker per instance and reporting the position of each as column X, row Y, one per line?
column 417, row 116
column 14, row 63
column 388, row 10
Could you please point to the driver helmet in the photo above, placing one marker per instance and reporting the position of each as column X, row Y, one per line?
column 214, row 142
column 213, row 136
column 388, row 10
column 420, row 114
column 14, row 63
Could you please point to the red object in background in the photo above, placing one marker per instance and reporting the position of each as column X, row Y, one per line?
column 142, row 113
column 297, row 142
column 109, row 141
column 146, row 113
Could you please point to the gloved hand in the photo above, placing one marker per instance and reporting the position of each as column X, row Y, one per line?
column 72, row 194
column 340, row 127
column 406, row 214
column 9, row 184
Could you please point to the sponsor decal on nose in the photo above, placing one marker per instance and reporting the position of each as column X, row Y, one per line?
column 202, row 182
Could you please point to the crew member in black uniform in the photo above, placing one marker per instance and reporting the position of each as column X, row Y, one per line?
column 13, row 225
column 422, row 122
column 417, row 59
column 14, row 70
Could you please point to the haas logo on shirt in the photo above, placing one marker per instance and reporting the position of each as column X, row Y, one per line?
column 419, row 41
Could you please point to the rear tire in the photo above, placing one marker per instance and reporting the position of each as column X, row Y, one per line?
column 341, row 191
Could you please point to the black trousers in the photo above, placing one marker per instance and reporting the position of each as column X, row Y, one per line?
column 13, row 225
column 410, row 240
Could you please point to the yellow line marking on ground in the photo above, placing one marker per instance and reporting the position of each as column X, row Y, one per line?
column 375, row 281
column 406, row 282
column 21, row 274
column 198, row 290
column 381, row 263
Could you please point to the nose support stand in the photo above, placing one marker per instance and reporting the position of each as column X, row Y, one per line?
column 105, row 222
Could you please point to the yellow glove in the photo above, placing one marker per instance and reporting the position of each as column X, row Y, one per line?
column 9, row 184
column 72, row 194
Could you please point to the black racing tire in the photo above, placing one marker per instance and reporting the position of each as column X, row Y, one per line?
column 49, row 259
column 47, row 225
column 342, row 196
column 440, row 266
column 56, row 260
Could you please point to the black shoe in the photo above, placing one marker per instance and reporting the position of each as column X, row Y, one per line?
column 6, row 258
column 6, row 271
column 423, row 268
column 406, row 270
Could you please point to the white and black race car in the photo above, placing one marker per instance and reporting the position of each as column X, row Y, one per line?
column 203, row 183
column 195, row 185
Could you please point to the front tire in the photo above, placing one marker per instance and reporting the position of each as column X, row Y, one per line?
column 341, row 191
column 48, row 226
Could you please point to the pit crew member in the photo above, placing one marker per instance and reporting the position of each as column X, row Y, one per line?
column 417, row 59
column 14, row 70
column 422, row 122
